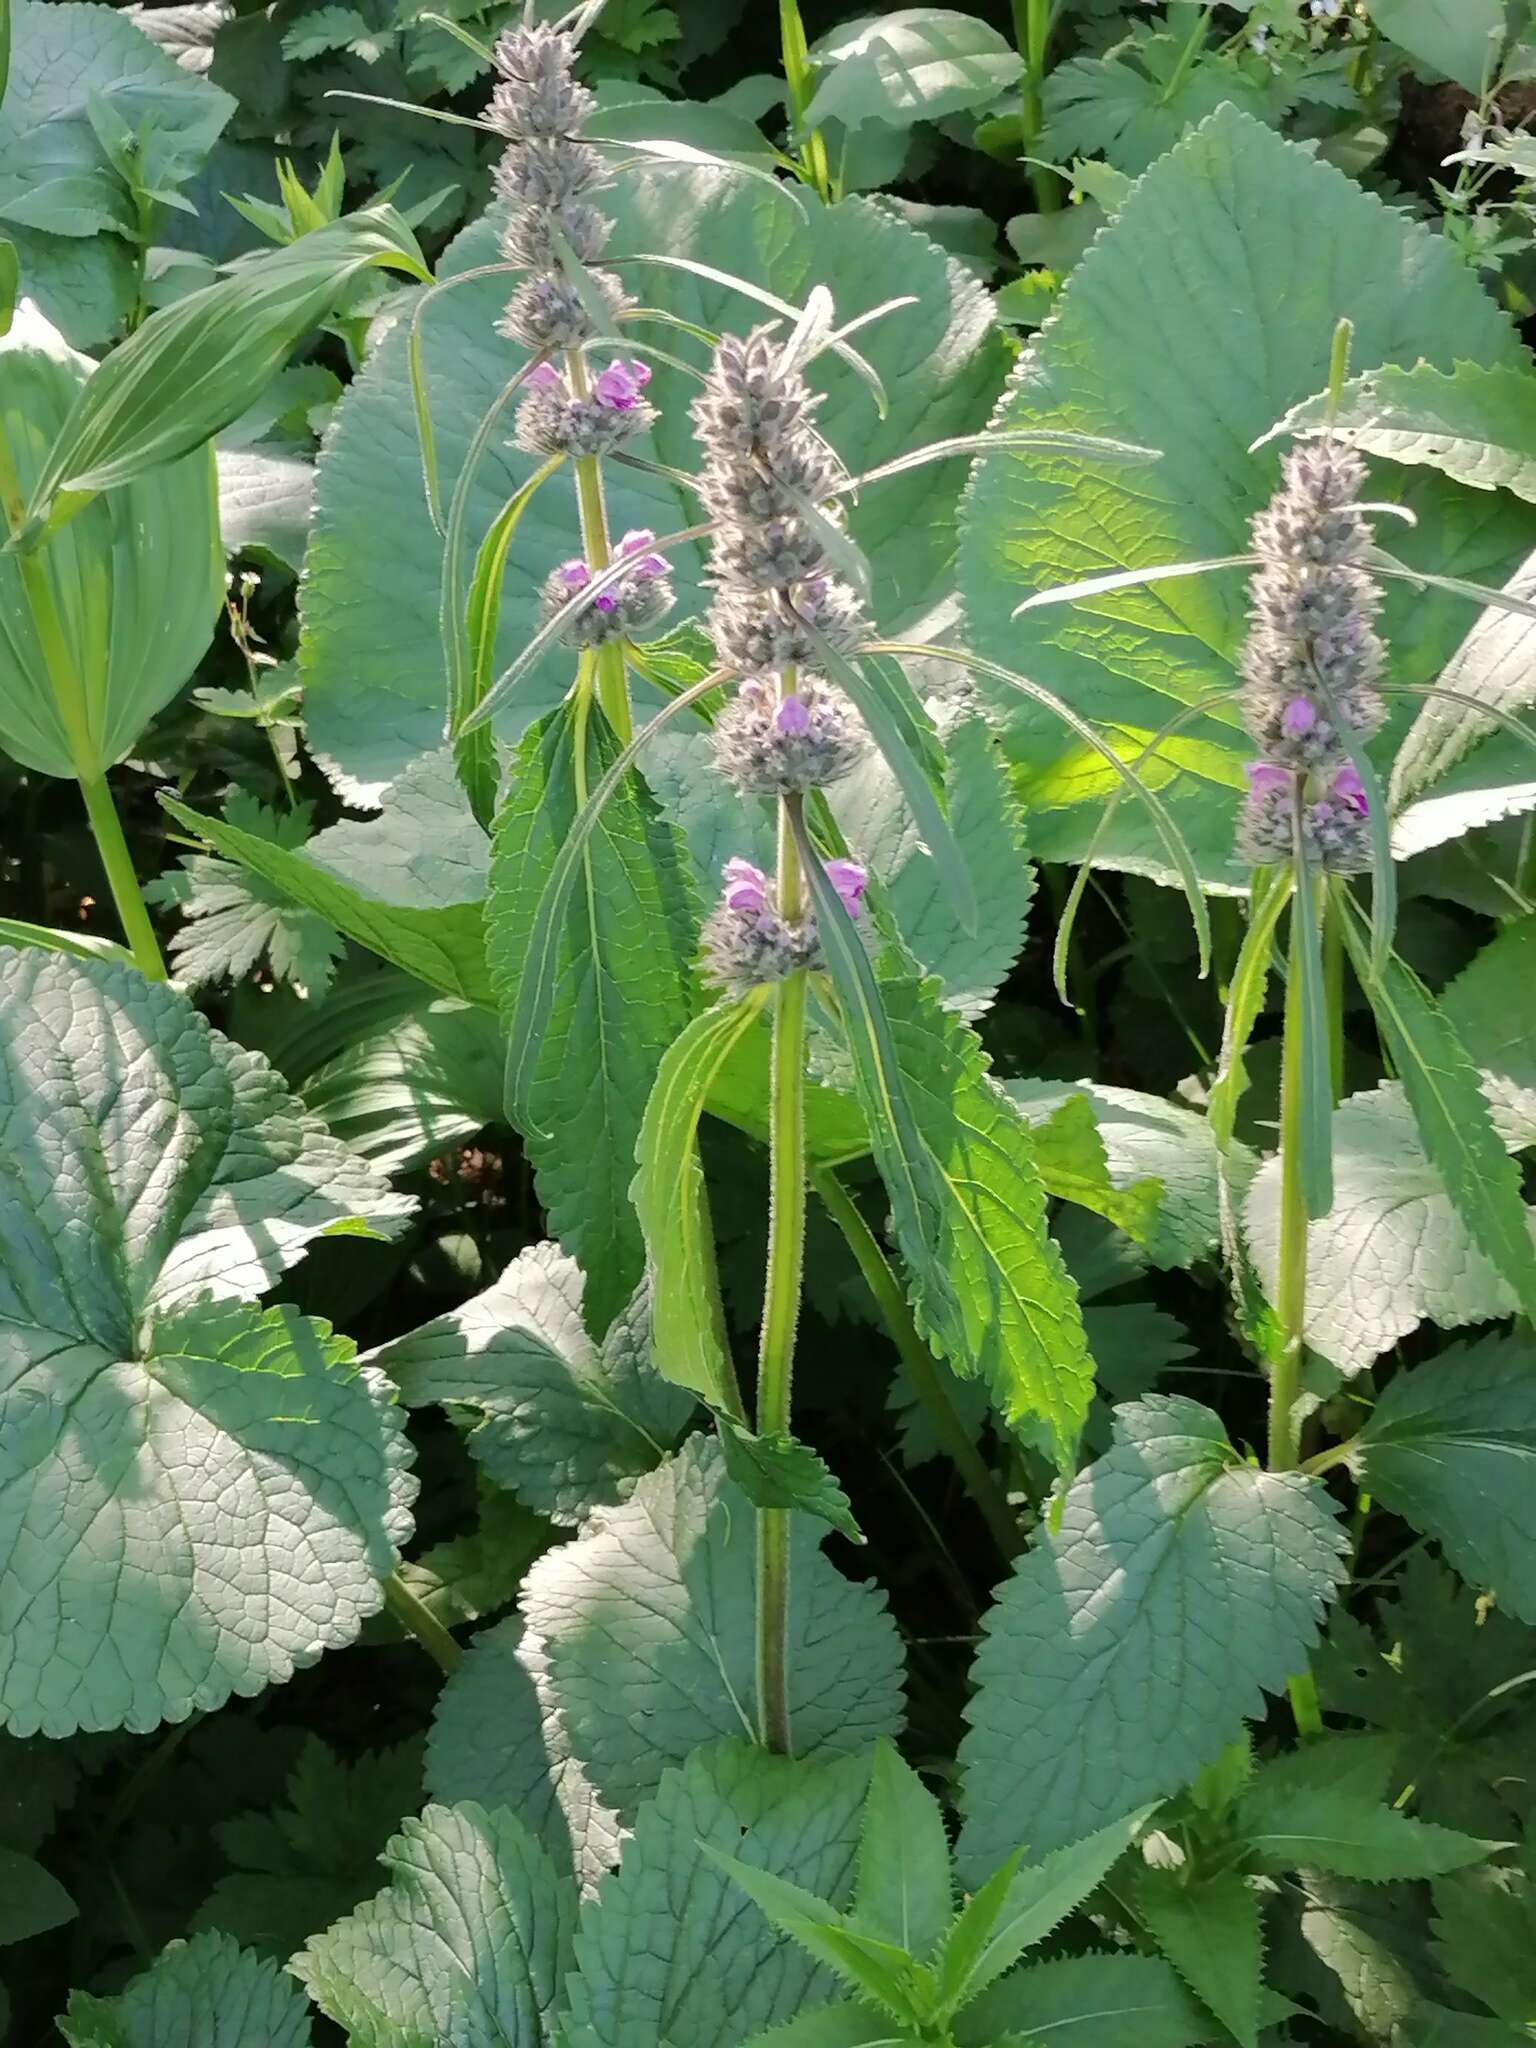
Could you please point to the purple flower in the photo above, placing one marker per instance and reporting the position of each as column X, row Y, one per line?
column 1348, row 787
column 575, row 574
column 1266, row 779
column 606, row 602
column 848, row 878
column 545, row 377
column 746, row 887
column 1298, row 718
column 792, row 716
column 621, row 384
column 636, row 542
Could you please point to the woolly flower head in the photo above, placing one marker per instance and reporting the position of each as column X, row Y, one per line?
column 770, row 745
column 1332, row 814
column 554, row 420
column 536, row 95
column 641, row 597
column 746, row 942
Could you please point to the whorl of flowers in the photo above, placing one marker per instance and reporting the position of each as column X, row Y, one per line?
column 775, row 744
column 555, row 420
column 641, row 597
column 548, row 174
column 1310, row 665
column 746, row 942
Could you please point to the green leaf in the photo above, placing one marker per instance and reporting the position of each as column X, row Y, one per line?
column 870, row 1967
column 1485, row 1939
column 404, row 1095
column 204, row 1993
column 1314, row 1127
column 1451, row 1447
column 561, row 1422
column 1452, row 1115
column 1131, row 1643
column 1392, row 1252
column 31, row 1900
column 498, row 1737
column 1352, row 1837
column 778, row 1471
column 1210, row 1931
column 233, row 916
column 1460, row 38
column 476, row 1573
column 197, row 364
column 669, row 1197
column 371, row 648
column 915, row 64
column 1034, row 1901
column 168, row 1165
column 835, row 2026
column 1073, row 1165
column 266, row 500
column 1140, row 97
column 470, row 1942
column 63, row 205
column 622, row 986
column 1476, row 423
column 1364, row 1944
column 303, row 1865
column 905, row 1893
column 409, row 885
column 669, row 1950
column 1091, row 2001
column 647, row 1621
column 136, row 584
column 1252, row 211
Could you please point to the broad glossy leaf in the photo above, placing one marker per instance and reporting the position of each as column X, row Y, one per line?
column 371, row 652
column 1213, row 1935
column 621, row 989
column 670, row 1950
column 469, row 1943
column 1460, row 38
column 909, row 64
column 646, row 1620
column 409, row 885
column 1131, row 1643
column 204, row 1993
column 1092, row 2001
column 158, row 1164
column 1451, row 1447
column 1249, row 211
column 135, row 584
column 560, row 1421
column 498, row 1737
column 198, row 364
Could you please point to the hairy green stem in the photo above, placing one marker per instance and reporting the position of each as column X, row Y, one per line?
column 1291, row 1278
column 612, row 681
column 781, row 1297
column 418, row 1620
column 1032, row 33
column 977, row 1475
column 800, row 85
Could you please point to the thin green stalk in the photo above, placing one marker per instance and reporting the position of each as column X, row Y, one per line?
column 800, row 85
column 122, row 879
column 1194, row 43
column 418, row 1620
column 1032, row 33
column 612, row 682
column 1291, row 1279
column 781, row 1298
column 977, row 1475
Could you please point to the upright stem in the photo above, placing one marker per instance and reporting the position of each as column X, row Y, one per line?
column 612, row 683
column 1032, row 33
column 69, row 696
column 1291, row 1279
column 979, row 1479
column 418, row 1620
column 781, row 1296
column 800, row 84
column 1193, row 45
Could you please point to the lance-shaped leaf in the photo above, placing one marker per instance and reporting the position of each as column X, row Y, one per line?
column 1451, row 1447
column 669, row 1198
column 1093, row 2001
column 622, row 988
column 1132, row 1640
column 223, row 1474
column 1452, row 1113
column 1212, row 1933
column 670, row 1950
column 129, row 595
column 201, row 361
column 905, row 1893
column 646, row 1620
column 470, row 1943
column 409, row 885
column 558, row 1420
column 204, row 1993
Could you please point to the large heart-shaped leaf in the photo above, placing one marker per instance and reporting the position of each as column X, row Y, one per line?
column 1198, row 317
column 376, row 694
column 195, row 1495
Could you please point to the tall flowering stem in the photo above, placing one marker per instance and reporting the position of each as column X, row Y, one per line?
column 765, row 473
